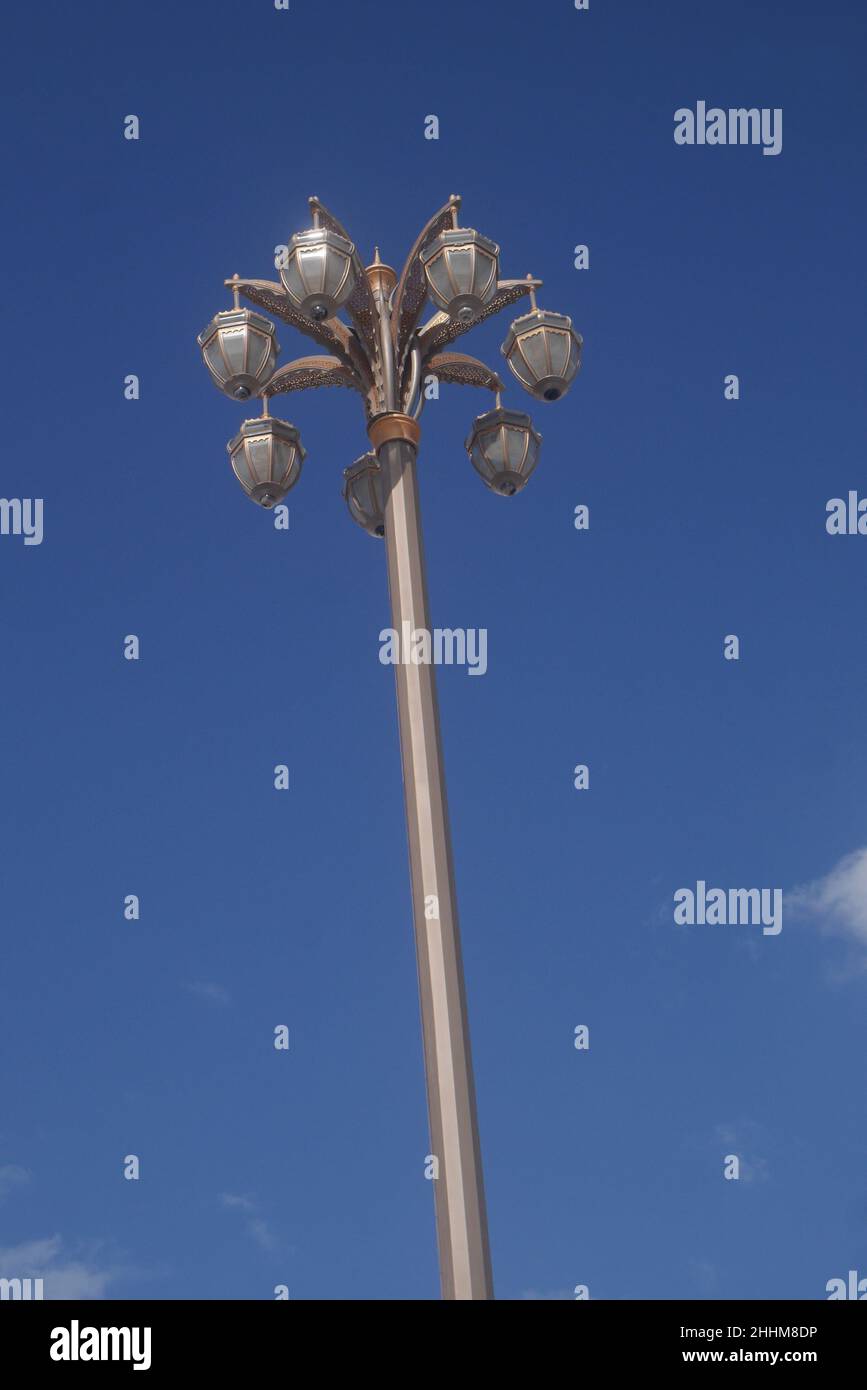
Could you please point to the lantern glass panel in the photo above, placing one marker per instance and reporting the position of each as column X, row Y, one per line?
column 516, row 445
column 533, row 348
column 214, row 359
column 234, row 342
column 334, row 273
column 291, row 280
column 439, row 279
column 311, row 264
column 494, row 448
column 482, row 463
column 283, row 459
column 259, row 457
column 242, row 471
column 257, row 353
column 558, row 348
column 461, row 263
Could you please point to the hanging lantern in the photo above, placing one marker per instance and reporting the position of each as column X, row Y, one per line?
column 266, row 457
column 504, row 449
column 461, row 268
column 319, row 274
column 240, row 351
column 363, row 493
column 544, row 353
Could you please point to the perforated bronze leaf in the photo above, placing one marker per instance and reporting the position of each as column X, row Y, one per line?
column 359, row 306
column 457, row 369
column 307, row 372
column 331, row 334
column 411, row 289
column 440, row 329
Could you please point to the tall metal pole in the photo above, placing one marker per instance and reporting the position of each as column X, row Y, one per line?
column 461, row 1218
column 383, row 356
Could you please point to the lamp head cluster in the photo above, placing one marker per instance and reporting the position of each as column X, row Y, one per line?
column 385, row 352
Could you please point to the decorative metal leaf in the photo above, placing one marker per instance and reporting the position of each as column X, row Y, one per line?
column 440, row 329
column 331, row 334
column 359, row 305
column 459, row 370
column 305, row 372
column 411, row 289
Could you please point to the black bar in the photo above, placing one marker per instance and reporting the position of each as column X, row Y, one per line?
column 222, row 1338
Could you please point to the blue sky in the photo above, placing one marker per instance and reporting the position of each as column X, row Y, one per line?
column 259, row 647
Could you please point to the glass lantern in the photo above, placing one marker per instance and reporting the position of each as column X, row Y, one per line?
column 504, row 449
column 266, row 456
column 544, row 353
column 363, row 493
column 319, row 275
column 461, row 269
column 240, row 351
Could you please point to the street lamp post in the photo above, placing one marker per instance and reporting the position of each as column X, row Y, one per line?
column 385, row 353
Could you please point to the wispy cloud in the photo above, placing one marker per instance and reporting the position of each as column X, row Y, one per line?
column 214, row 993
column 63, row 1276
column 256, row 1226
column 703, row 1273
column 743, row 1140
column 838, row 904
column 233, row 1203
column 259, row 1230
column 11, row 1176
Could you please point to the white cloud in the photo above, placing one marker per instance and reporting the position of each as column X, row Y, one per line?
column 838, row 902
column 214, row 993
column 29, row 1258
column 259, row 1230
column 63, row 1277
column 704, row 1273
column 11, row 1176
column 227, row 1199
column 256, row 1226
column 752, row 1167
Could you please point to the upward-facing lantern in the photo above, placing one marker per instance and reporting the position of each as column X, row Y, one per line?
column 319, row 274
column 544, row 353
column 266, row 456
column 461, row 268
column 240, row 351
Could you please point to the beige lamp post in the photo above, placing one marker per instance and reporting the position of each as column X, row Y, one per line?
column 385, row 352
